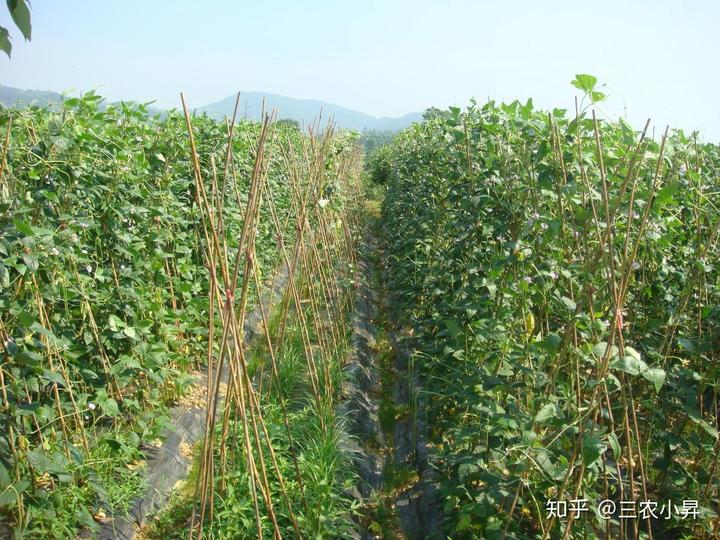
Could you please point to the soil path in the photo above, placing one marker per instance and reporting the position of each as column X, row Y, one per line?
column 385, row 415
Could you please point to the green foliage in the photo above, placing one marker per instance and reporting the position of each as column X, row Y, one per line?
column 587, row 84
column 380, row 166
column 20, row 13
column 103, row 306
column 373, row 139
column 433, row 113
column 506, row 243
column 320, row 506
column 289, row 123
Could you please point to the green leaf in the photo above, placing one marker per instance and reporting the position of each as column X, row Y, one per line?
column 665, row 195
column 615, row 445
column 655, row 376
column 23, row 227
column 551, row 342
column 569, row 303
column 592, row 449
column 687, row 344
column 20, row 13
column 584, row 82
column 4, row 476
column 129, row 331
column 545, row 413
column 53, row 377
column 600, row 349
column 115, row 323
column 10, row 495
column 4, row 277
column 39, row 460
column 5, row 44
column 110, row 407
column 629, row 364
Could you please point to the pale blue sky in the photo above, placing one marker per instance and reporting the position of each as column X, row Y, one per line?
column 658, row 58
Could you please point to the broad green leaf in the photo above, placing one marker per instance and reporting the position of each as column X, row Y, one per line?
column 615, row 445
column 23, row 227
column 687, row 344
column 39, row 460
column 592, row 449
column 20, row 13
column 53, row 377
column 545, row 413
column 551, row 342
column 110, row 407
column 665, row 195
column 600, row 349
column 655, row 376
column 9, row 495
column 569, row 303
column 584, row 82
column 129, row 331
column 4, row 277
column 5, row 44
column 115, row 323
column 629, row 364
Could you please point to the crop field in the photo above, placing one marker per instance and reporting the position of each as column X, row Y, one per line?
column 500, row 322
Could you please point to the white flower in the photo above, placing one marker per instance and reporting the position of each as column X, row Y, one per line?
column 527, row 279
column 322, row 203
column 544, row 226
column 635, row 265
column 91, row 406
column 552, row 275
column 54, row 252
column 682, row 170
column 88, row 268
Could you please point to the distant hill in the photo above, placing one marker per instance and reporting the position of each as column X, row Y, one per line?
column 14, row 97
column 18, row 99
column 305, row 111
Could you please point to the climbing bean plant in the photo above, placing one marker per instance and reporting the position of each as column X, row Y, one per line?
column 103, row 294
column 558, row 274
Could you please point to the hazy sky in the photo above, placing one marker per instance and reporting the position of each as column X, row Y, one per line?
column 659, row 58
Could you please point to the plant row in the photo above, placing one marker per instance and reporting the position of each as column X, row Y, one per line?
column 559, row 275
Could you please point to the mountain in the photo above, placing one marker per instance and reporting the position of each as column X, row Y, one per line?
column 14, row 97
column 305, row 111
